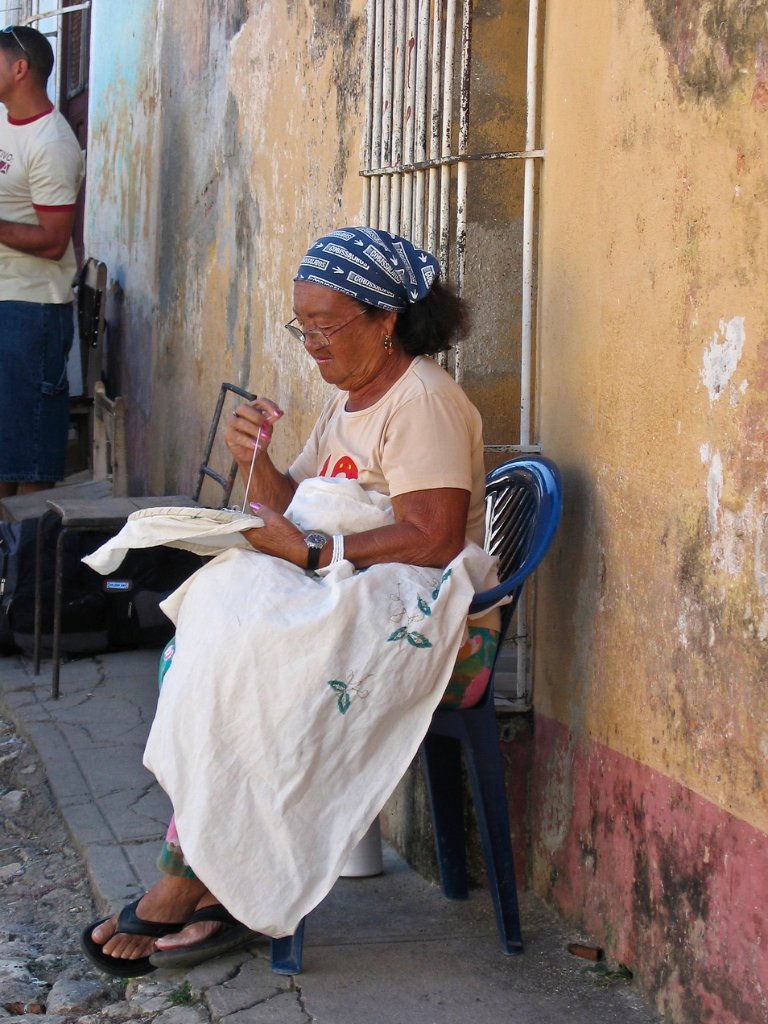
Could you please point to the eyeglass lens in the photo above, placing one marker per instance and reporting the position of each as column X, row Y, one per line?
column 304, row 336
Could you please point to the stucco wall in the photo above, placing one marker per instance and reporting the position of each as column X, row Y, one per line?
column 223, row 138
column 652, row 647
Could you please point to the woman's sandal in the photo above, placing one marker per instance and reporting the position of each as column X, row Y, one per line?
column 128, row 923
column 231, row 936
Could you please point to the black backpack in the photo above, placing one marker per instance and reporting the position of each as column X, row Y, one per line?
column 99, row 613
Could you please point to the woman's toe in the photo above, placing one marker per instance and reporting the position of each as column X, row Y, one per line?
column 103, row 932
column 129, row 947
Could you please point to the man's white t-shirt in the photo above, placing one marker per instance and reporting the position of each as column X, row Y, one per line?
column 41, row 168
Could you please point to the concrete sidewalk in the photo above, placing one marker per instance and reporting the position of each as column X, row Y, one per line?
column 387, row 950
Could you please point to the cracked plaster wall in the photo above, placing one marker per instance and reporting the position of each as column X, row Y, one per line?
column 652, row 635
column 223, row 138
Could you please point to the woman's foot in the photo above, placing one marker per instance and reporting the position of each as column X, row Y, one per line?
column 211, row 931
column 171, row 900
column 194, row 933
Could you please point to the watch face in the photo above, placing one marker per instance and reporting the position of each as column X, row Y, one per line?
column 315, row 543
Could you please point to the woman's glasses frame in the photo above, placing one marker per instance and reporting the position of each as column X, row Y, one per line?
column 307, row 337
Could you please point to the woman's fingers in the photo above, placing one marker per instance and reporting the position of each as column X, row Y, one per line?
column 250, row 426
column 278, row 536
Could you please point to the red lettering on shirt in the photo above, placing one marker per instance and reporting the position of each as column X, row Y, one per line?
column 345, row 467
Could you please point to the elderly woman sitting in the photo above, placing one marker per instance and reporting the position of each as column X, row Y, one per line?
column 300, row 686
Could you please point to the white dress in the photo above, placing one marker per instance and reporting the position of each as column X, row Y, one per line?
column 294, row 704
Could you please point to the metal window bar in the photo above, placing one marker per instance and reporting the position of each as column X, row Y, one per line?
column 415, row 48
column 56, row 12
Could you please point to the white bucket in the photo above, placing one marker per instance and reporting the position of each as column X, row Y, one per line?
column 365, row 860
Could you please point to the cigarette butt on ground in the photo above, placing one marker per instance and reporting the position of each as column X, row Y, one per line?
column 593, row 953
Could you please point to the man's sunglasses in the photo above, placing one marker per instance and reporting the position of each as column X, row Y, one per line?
column 11, row 31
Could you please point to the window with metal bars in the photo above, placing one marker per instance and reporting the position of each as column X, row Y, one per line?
column 450, row 161
column 423, row 175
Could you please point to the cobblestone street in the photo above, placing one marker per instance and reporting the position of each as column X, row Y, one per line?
column 45, row 899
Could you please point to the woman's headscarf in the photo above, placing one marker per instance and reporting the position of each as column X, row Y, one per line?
column 372, row 266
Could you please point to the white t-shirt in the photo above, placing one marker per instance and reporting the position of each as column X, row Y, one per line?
column 41, row 168
column 422, row 434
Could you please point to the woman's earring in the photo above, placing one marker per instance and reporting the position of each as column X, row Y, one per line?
column 388, row 343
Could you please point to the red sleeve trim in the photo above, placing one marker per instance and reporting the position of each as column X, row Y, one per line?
column 54, row 209
column 29, row 120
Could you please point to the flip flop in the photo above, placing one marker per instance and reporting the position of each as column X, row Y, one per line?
column 128, row 923
column 231, row 936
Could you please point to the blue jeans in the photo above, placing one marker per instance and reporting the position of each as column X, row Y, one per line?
column 35, row 339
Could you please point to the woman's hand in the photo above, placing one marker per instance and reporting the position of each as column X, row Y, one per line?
column 250, row 427
column 249, row 431
column 278, row 536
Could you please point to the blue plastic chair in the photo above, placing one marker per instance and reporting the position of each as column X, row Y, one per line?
column 523, row 508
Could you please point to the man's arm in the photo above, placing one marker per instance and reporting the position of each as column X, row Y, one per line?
column 47, row 239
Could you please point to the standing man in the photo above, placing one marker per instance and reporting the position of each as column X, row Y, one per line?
column 41, row 170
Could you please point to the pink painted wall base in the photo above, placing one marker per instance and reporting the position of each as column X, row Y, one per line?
column 672, row 886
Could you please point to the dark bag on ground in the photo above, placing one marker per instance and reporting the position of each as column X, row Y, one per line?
column 99, row 613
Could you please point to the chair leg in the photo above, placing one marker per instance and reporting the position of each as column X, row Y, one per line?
column 39, row 590
column 486, row 778
column 286, row 953
column 57, row 603
column 441, row 758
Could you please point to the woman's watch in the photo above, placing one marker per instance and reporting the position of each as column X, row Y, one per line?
column 315, row 543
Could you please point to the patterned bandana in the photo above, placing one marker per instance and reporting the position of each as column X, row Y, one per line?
column 371, row 266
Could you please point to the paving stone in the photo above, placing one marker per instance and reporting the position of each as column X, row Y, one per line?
column 8, row 871
column 282, row 1009
column 213, row 972
column 36, row 1018
column 11, row 802
column 149, row 1004
column 254, row 983
column 34, row 1006
column 159, row 983
column 69, row 995
column 183, row 1015
column 21, row 990
column 115, row 1013
column 14, row 968
column 11, row 951
column 154, row 995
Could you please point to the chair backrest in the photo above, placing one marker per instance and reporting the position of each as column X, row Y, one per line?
column 91, row 323
column 523, row 505
column 206, row 471
column 108, row 454
column 109, row 451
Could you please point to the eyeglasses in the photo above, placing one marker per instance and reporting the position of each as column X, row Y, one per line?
column 11, row 31
column 311, row 337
